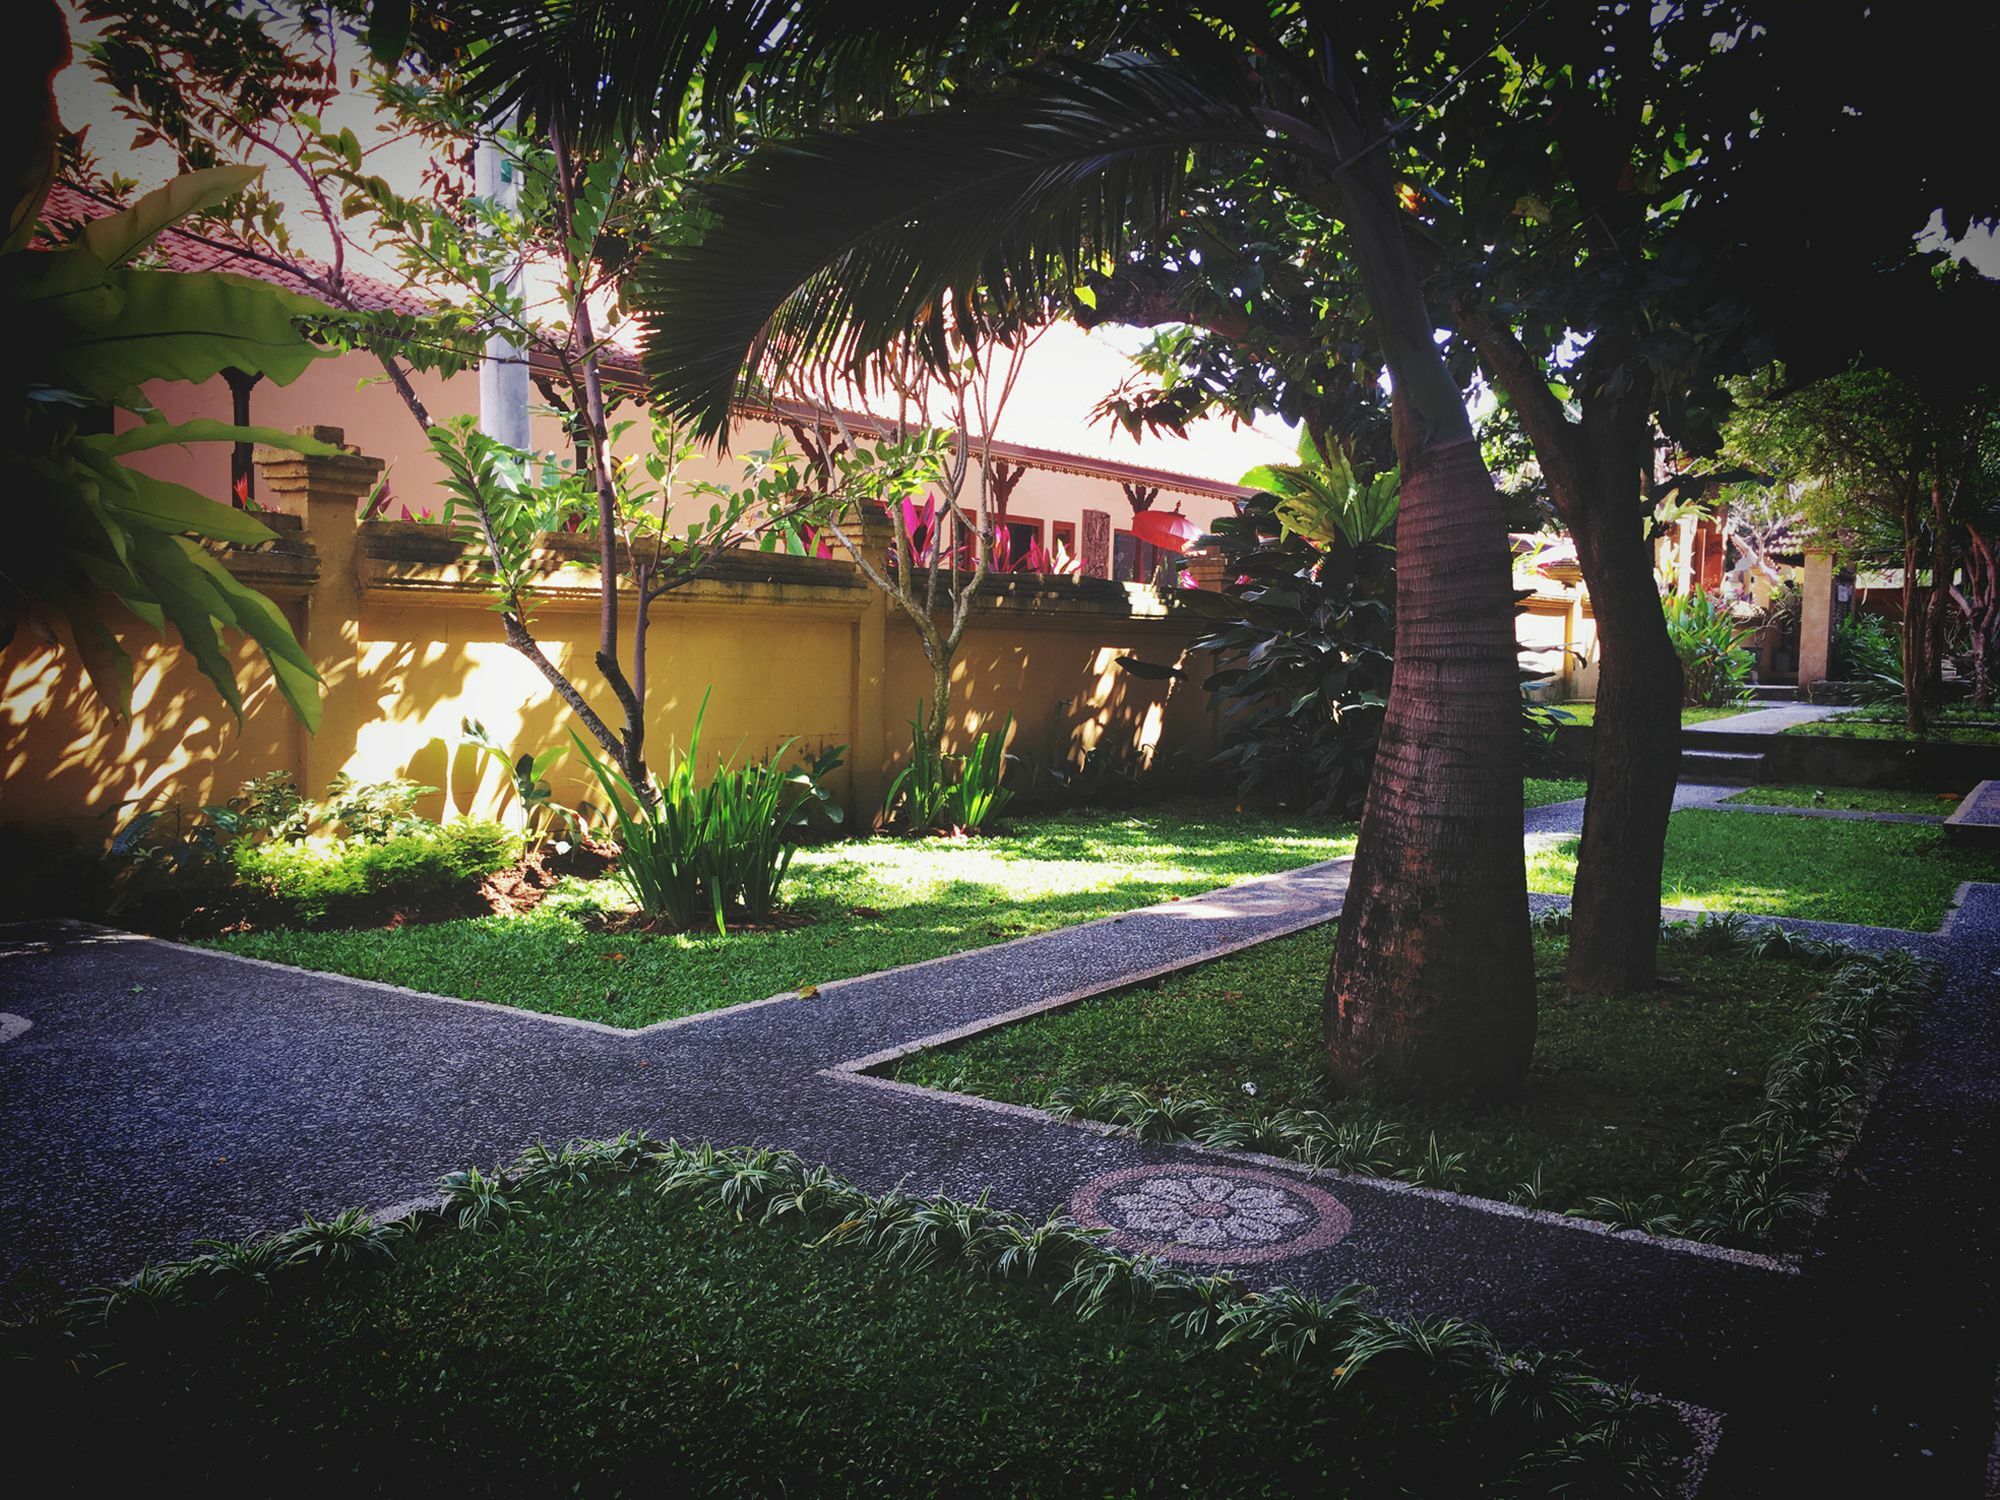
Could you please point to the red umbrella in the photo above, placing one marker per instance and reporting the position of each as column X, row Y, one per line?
column 1168, row 530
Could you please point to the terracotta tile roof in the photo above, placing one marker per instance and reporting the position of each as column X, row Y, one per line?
column 1046, row 423
column 188, row 250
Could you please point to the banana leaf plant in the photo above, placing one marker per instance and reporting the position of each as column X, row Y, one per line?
column 88, row 329
column 542, row 816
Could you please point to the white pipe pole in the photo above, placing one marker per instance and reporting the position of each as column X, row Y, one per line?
column 503, row 374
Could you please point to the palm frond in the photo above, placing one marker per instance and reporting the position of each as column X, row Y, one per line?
column 615, row 66
column 949, row 226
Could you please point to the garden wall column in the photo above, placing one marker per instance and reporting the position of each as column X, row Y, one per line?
column 326, row 492
column 1815, row 618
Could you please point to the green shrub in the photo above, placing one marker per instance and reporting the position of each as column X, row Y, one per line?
column 371, row 811
column 921, row 787
column 692, row 851
column 931, row 796
column 317, row 880
column 977, row 796
column 1867, row 650
column 1709, row 642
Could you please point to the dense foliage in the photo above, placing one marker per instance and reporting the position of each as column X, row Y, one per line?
column 1300, row 633
column 1709, row 640
column 89, row 327
column 319, row 882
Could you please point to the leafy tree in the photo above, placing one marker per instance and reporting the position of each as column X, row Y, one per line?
column 1880, row 470
column 210, row 80
column 87, row 330
column 1301, row 631
column 1613, row 213
column 938, row 558
column 842, row 243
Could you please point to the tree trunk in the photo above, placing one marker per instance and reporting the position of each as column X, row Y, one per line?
column 1594, row 468
column 1916, row 627
column 1635, row 748
column 1433, row 980
column 940, row 705
column 1432, row 986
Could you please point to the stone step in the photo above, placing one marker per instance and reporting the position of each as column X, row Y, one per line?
column 1775, row 692
column 1722, row 767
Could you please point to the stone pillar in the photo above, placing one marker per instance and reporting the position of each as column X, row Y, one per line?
column 1205, row 569
column 1096, row 552
column 1815, row 617
column 327, row 492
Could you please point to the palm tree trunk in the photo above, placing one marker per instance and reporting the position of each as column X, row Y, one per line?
column 1433, row 980
column 1432, row 985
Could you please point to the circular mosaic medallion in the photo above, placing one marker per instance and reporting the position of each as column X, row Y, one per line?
column 1220, row 1216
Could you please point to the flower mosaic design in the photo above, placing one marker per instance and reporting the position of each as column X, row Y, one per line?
column 1226, row 1215
column 1208, row 1211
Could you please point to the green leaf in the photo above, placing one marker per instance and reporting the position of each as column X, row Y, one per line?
column 205, row 430
column 117, row 237
column 168, row 325
column 162, row 505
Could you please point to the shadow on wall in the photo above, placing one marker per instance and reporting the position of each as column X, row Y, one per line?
column 1069, row 697
column 71, row 760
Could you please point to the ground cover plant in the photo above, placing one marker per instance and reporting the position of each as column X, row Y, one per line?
column 1584, row 712
column 856, row 908
column 1229, row 1054
column 1540, row 791
column 833, row 1343
column 1958, row 725
column 1827, row 869
column 271, row 857
column 1851, row 798
column 316, row 881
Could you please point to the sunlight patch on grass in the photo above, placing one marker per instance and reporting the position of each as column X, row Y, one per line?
column 873, row 904
column 1831, row 870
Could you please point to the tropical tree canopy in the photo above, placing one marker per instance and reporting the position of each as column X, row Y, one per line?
column 87, row 331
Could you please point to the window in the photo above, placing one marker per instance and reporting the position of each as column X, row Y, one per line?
column 1063, row 534
column 1133, row 560
column 1021, row 536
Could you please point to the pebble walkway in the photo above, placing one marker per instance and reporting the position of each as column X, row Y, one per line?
column 160, row 1094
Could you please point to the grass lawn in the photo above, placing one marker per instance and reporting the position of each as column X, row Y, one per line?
column 873, row 904
column 614, row 1342
column 1956, row 725
column 1854, row 798
column 1829, row 869
column 1538, row 791
column 1584, row 711
column 1622, row 1093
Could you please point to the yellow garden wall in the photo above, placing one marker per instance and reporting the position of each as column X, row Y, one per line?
column 408, row 647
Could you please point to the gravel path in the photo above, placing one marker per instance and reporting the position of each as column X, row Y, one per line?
column 161, row 1094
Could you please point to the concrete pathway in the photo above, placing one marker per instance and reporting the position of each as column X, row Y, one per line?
column 160, row 1094
column 1769, row 720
